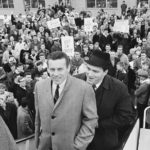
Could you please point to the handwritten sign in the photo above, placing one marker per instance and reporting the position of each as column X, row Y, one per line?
column 88, row 24
column 121, row 26
column 68, row 45
column 53, row 23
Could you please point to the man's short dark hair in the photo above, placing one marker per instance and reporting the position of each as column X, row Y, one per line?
column 39, row 63
column 120, row 46
column 24, row 102
column 107, row 45
column 59, row 55
column 27, row 72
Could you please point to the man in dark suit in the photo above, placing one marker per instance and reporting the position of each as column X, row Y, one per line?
column 113, row 102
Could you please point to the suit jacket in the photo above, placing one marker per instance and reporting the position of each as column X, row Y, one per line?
column 71, row 122
column 6, row 140
column 24, row 123
column 114, row 110
column 112, row 68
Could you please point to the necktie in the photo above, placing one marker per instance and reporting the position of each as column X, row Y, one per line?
column 56, row 96
column 94, row 87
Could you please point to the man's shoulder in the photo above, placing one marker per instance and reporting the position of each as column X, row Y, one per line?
column 79, row 82
column 124, row 56
column 115, row 83
column 42, row 82
column 81, row 76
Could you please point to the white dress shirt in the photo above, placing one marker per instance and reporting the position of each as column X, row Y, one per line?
column 61, row 87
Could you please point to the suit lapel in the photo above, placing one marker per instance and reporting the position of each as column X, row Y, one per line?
column 66, row 87
column 99, row 95
column 101, row 92
column 48, row 93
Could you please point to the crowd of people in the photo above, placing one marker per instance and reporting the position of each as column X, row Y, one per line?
column 26, row 43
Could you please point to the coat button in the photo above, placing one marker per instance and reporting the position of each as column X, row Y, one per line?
column 53, row 117
column 53, row 133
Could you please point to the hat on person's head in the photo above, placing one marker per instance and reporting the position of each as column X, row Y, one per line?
column 99, row 59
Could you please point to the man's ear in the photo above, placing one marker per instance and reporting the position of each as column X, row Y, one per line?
column 106, row 71
column 68, row 68
column 48, row 71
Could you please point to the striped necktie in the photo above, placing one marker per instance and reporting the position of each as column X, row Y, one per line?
column 56, row 96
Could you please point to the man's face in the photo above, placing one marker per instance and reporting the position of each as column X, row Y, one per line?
column 119, row 50
column 22, row 83
column 106, row 32
column 42, row 58
column 94, row 74
column 77, row 55
column 96, row 45
column 112, row 54
column 9, row 47
column 36, row 48
column 40, row 67
column 143, row 56
column 85, row 49
column 11, row 38
column 108, row 48
column 138, row 52
column 43, row 47
column 45, row 75
column 20, row 68
column 58, row 70
column 35, row 39
column 91, row 46
column 28, row 78
column 2, row 90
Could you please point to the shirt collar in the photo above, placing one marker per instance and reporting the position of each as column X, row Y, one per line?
column 61, row 86
column 104, row 83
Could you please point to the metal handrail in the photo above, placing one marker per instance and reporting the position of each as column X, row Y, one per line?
column 144, row 117
column 25, row 139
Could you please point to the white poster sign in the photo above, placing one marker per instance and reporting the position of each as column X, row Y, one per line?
column 121, row 26
column 71, row 21
column 88, row 24
column 68, row 45
column 53, row 23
